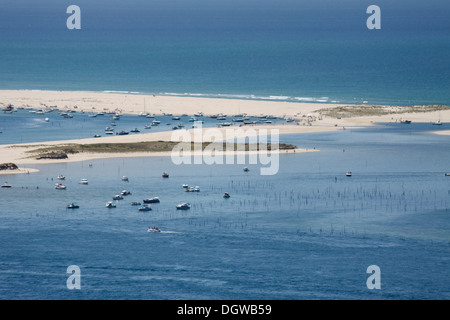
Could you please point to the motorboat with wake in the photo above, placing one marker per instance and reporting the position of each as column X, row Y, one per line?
column 153, row 229
column 110, row 205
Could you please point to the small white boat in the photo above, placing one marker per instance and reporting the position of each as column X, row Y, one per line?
column 125, row 193
column 193, row 189
column 226, row 195
column 183, row 206
column 46, row 119
column 125, row 178
column 72, row 206
column 185, row 186
column 110, row 205
column 117, row 197
column 61, row 177
column 6, row 185
column 153, row 229
column 447, row 174
column 60, row 186
column 246, row 169
column 145, row 207
column 348, row 173
column 84, row 181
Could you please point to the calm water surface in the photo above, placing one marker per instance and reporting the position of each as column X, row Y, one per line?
column 308, row 232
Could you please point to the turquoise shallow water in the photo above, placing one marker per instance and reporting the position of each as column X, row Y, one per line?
column 308, row 232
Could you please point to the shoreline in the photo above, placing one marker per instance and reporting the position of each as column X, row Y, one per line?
column 308, row 117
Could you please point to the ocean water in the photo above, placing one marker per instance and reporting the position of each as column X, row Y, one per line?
column 284, row 50
column 308, row 232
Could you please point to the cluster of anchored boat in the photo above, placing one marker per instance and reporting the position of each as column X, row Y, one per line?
column 124, row 193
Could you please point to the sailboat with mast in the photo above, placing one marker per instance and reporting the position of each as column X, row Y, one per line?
column 438, row 123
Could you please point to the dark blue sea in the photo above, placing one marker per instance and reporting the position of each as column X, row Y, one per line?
column 308, row 232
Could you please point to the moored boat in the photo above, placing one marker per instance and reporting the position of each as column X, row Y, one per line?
column 165, row 175
column 72, row 206
column 110, row 205
column 145, row 207
column 348, row 173
column 117, row 197
column 193, row 189
column 6, row 185
column 60, row 186
column 183, row 206
column 152, row 200
column 226, row 195
column 153, row 229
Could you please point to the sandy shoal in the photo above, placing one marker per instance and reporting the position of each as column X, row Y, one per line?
column 17, row 153
column 138, row 103
column 18, row 171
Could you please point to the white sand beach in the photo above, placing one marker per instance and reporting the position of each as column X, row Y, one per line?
column 308, row 118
